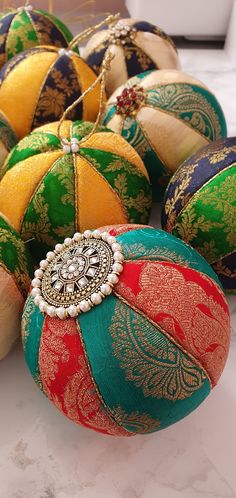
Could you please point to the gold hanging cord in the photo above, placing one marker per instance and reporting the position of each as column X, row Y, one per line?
column 106, row 65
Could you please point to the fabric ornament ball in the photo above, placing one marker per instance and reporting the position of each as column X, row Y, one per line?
column 137, row 45
column 200, row 207
column 126, row 330
column 7, row 137
column 26, row 27
column 43, row 82
column 15, row 273
column 60, row 192
column 166, row 116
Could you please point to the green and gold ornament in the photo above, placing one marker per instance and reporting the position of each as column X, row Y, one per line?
column 66, row 186
column 15, row 273
column 166, row 116
column 137, row 46
column 200, row 207
column 26, row 27
column 7, row 138
column 113, row 329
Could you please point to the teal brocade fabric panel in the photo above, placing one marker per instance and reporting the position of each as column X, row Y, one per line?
column 158, row 245
column 140, row 374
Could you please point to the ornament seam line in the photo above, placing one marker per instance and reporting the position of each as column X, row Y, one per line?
column 167, row 335
column 32, row 126
column 157, row 152
column 38, row 186
column 123, row 208
column 182, row 121
column 107, row 409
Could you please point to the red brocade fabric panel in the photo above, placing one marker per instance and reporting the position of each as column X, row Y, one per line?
column 66, row 377
column 120, row 229
column 187, row 306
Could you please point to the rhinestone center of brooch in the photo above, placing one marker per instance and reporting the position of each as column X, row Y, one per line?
column 78, row 274
column 122, row 34
column 130, row 101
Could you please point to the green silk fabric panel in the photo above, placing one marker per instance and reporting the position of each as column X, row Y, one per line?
column 208, row 222
column 50, row 216
column 132, row 187
column 60, row 25
column 140, row 374
column 32, row 326
column 193, row 104
column 14, row 256
column 34, row 143
column 21, row 35
column 82, row 128
column 157, row 245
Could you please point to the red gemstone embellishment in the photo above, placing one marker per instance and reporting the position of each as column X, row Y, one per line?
column 130, row 100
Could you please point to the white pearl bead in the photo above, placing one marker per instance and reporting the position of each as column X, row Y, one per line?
column 96, row 298
column 43, row 264
column 77, row 236
column 87, row 234
column 118, row 256
column 111, row 240
column 58, row 247
column 36, row 292
column 62, row 51
column 51, row 310
column 74, row 139
column 67, row 241
column 84, row 306
column 38, row 273
column 116, row 247
column 28, row 7
column 117, row 267
column 104, row 236
column 36, row 282
column 96, row 234
column 74, row 147
column 70, row 52
column 72, row 310
column 37, row 300
column 113, row 278
column 42, row 306
column 106, row 289
column 66, row 149
column 50, row 255
column 61, row 312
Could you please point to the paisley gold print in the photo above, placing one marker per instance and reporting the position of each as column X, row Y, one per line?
column 80, row 393
column 221, row 269
column 140, row 423
column 184, row 310
column 150, row 360
column 145, row 253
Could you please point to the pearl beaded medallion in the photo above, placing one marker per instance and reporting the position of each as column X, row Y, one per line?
column 78, row 274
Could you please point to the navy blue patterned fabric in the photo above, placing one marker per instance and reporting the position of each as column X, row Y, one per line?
column 226, row 265
column 95, row 58
column 207, row 163
column 44, row 26
column 61, row 88
column 5, row 23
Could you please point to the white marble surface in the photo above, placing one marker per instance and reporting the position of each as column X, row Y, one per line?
column 43, row 455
